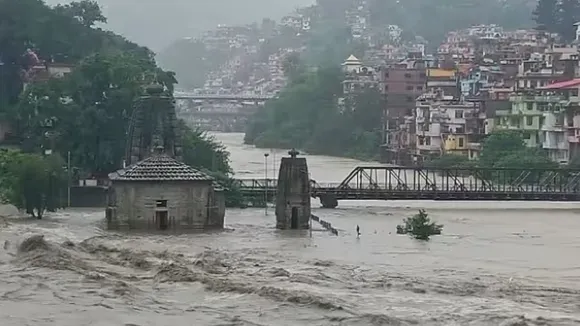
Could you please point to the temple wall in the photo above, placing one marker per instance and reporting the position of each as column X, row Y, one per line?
column 187, row 204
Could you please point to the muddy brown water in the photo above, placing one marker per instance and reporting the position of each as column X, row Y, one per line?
column 495, row 264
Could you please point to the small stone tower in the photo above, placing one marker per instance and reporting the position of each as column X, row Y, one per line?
column 293, row 196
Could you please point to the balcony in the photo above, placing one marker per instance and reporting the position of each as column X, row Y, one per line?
column 552, row 145
column 536, row 98
column 574, row 139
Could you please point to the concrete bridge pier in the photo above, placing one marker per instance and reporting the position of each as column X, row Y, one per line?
column 293, row 193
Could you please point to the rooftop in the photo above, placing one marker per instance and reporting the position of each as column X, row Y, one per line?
column 574, row 83
column 159, row 167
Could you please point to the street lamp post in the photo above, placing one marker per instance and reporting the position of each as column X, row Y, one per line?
column 273, row 163
column 266, row 177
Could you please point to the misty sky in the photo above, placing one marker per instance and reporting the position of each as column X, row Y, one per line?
column 156, row 23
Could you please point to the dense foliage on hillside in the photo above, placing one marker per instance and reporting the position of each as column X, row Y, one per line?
column 86, row 112
column 555, row 16
column 307, row 115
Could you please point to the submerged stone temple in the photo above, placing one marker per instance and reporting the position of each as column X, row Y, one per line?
column 293, row 193
column 156, row 190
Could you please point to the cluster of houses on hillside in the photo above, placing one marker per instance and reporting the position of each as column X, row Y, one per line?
column 243, row 73
column 481, row 79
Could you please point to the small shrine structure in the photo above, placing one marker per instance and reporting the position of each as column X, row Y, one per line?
column 159, row 191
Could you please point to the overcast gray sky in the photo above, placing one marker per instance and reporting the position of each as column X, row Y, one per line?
column 156, row 23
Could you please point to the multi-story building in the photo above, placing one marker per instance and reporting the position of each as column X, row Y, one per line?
column 445, row 125
column 401, row 84
column 443, row 80
column 541, row 119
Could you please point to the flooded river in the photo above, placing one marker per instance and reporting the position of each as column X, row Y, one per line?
column 495, row 264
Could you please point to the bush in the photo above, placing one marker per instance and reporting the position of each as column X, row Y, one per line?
column 449, row 161
column 420, row 226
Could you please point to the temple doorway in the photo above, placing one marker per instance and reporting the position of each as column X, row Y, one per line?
column 294, row 218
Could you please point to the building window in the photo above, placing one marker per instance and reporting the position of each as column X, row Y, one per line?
column 161, row 203
column 427, row 141
column 458, row 114
column 419, row 88
column 529, row 121
column 407, row 75
column 409, row 88
column 422, row 75
column 386, row 88
column 461, row 142
column 421, row 140
column 530, row 106
column 386, row 74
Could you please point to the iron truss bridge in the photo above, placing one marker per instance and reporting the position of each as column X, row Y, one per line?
column 403, row 183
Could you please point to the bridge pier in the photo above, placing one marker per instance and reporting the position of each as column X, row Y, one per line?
column 328, row 200
column 293, row 193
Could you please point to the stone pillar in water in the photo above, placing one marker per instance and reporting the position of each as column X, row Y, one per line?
column 293, row 195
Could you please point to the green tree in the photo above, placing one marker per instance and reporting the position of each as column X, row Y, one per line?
column 55, row 35
column 500, row 144
column 546, row 15
column 420, row 226
column 569, row 14
column 507, row 150
column 89, row 108
column 307, row 115
column 450, row 161
column 32, row 182
column 87, row 12
column 203, row 151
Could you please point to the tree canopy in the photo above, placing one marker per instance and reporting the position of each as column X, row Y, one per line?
column 558, row 16
column 85, row 112
column 307, row 115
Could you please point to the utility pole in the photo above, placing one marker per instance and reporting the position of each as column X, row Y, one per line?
column 266, row 189
column 310, row 178
column 69, row 179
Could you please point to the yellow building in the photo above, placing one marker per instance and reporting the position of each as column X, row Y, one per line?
column 460, row 145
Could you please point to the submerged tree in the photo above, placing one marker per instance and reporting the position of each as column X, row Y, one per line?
column 33, row 182
column 420, row 226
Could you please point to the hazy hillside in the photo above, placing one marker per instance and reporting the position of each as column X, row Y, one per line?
column 157, row 23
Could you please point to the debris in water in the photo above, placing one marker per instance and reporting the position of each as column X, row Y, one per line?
column 35, row 242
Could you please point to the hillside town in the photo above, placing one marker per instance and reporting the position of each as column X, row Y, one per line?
column 442, row 101
column 438, row 101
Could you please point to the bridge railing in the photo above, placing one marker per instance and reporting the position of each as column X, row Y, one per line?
column 445, row 180
column 273, row 183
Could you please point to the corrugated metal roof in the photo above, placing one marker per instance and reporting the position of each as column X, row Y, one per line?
column 160, row 167
column 563, row 85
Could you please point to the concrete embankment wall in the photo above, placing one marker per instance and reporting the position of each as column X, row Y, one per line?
column 325, row 224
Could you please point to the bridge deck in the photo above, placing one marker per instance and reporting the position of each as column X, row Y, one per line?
column 399, row 183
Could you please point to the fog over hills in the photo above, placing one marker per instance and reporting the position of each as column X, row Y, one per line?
column 156, row 23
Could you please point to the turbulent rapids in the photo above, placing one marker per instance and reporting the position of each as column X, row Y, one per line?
column 495, row 264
